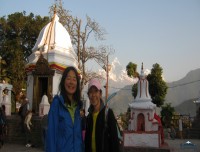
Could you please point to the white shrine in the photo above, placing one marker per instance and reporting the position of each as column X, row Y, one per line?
column 5, row 97
column 52, row 53
column 143, row 127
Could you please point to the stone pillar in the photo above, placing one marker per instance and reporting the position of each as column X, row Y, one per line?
column 44, row 106
column 180, row 127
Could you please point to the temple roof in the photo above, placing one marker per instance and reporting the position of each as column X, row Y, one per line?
column 52, row 35
column 54, row 43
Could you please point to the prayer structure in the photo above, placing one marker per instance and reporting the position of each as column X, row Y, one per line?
column 143, row 124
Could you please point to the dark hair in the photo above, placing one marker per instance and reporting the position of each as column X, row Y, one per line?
column 62, row 90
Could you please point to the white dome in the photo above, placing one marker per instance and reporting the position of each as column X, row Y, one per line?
column 55, row 44
column 53, row 35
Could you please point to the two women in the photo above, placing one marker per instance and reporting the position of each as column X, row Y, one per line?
column 64, row 133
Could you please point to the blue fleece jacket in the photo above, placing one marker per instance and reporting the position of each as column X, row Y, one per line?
column 62, row 134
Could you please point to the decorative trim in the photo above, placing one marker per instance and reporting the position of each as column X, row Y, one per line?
column 42, row 67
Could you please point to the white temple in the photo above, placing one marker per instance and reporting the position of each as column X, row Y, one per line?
column 51, row 54
column 143, row 127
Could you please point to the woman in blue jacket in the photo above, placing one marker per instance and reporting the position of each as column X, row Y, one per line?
column 64, row 121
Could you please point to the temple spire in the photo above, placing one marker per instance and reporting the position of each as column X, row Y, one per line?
column 142, row 65
column 143, row 87
column 55, row 9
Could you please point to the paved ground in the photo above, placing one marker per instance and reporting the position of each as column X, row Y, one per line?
column 19, row 148
column 174, row 146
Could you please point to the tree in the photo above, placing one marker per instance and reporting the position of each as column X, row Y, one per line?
column 125, row 119
column 166, row 114
column 3, row 71
column 18, row 36
column 157, row 86
column 80, row 34
column 131, row 69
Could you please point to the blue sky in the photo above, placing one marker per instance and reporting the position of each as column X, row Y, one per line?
column 150, row 31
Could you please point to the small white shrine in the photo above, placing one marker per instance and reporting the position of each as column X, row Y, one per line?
column 5, row 97
column 44, row 106
column 52, row 53
column 143, row 127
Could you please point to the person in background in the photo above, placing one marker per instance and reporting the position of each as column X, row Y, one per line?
column 44, row 125
column 64, row 132
column 28, row 124
column 172, row 132
column 3, row 125
column 23, row 110
column 160, row 127
column 4, row 115
column 83, row 125
column 99, row 136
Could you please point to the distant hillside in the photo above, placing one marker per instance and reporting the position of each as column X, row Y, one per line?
column 181, row 94
column 185, row 89
column 120, row 101
column 187, row 107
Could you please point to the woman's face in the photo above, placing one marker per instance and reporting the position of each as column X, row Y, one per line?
column 71, row 83
column 94, row 95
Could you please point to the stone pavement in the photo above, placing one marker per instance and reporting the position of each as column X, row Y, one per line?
column 174, row 146
column 19, row 148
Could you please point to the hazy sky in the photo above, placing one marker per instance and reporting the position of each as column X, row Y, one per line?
column 150, row 31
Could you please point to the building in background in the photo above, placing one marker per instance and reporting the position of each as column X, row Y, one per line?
column 51, row 54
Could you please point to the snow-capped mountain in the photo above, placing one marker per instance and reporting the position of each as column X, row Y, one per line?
column 118, row 77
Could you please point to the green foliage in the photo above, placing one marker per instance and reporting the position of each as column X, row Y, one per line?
column 125, row 119
column 18, row 36
column 131, row 69
column 166, row 114
column 157, row 86
column 134, row 90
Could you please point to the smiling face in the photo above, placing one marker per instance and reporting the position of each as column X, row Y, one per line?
column 94, row 95
column 70, row 83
